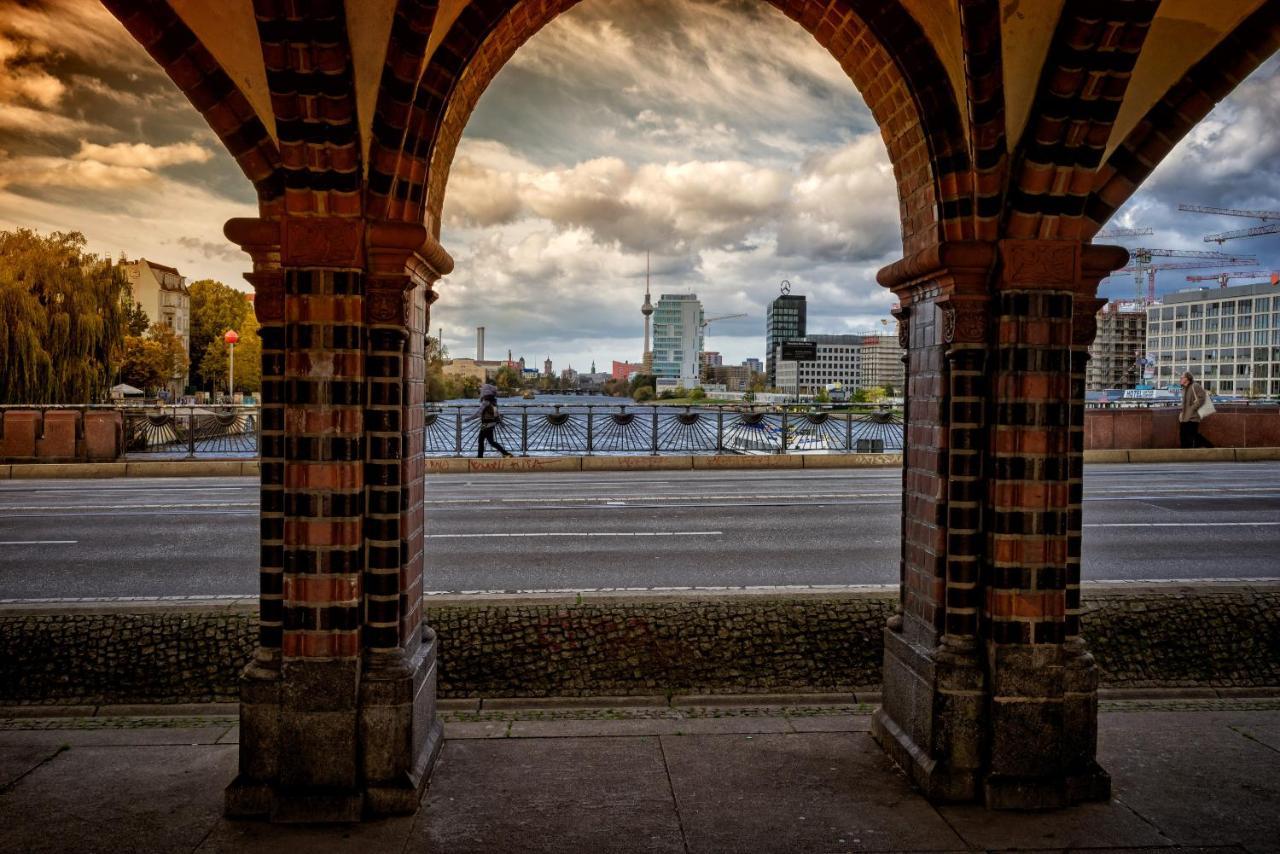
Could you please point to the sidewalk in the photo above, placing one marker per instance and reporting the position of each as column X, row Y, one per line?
column 1192, row 774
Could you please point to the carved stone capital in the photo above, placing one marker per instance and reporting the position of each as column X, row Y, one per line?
column 1035, row 264
column 963, row 319
column 328, row 241
column 386, row 301
column 903, row 315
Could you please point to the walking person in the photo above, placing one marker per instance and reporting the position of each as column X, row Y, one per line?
column 1194, row 400
column 489, row 420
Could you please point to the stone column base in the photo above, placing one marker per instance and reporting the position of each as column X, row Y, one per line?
column 391, row 741
column 931, row 721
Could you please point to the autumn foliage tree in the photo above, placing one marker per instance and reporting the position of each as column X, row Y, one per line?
column 214, row 362
column 215, row 308
column 153, row 361
column 62, row 319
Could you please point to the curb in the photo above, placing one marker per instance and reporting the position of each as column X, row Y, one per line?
column 868, row 696
column 516, row 465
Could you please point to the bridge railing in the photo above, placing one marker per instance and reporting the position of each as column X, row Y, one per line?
column 616, row 429
column 231, row 431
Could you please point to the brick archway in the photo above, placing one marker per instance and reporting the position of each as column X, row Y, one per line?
column 879, row 46
column 989, row 693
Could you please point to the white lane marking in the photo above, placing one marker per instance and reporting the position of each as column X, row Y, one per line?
column 578, row 534
column 183, row 505
column 1181, row 524
column 38, row 542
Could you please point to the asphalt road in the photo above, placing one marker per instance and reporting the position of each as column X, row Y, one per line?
column 198, row 537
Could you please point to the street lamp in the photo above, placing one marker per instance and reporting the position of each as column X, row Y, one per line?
column 231, row 337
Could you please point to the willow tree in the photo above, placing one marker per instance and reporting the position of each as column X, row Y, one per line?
column 61, row 319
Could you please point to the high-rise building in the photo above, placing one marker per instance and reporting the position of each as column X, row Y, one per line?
column 784, row 321
column 1228, row 338
column 1120, row 345
column 677, row 338
column 546, row 367
column 754, row 364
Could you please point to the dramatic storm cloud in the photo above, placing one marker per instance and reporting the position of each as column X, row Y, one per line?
column 716, row 135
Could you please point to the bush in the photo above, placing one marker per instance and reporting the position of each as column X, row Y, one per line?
column 697, row 394
column 642, row 394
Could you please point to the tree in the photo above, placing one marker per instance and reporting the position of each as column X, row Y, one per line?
column 153, row 361
column 143, row 363
column 61, row 319
column 435, row 353
column 215, row 362
column 698, row 394
column 215, row 308
column 822, row 396
column 508, row 378
column 136, row 322
column 643, row 393
column 639, row 381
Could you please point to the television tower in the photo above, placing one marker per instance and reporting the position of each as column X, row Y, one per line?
column 646, row 310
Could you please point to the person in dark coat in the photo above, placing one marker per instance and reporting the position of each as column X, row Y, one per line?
column 1193, row 397
column 489, row 420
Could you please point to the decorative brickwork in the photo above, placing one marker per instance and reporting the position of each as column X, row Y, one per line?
column 188, row 62
column 1082, row 85
column 309, row 72
column 1209, row 81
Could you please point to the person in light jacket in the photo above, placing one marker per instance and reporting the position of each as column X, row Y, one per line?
column 1193, row 397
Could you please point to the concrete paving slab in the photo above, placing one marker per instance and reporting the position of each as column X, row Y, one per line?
column 585, row 728
column 463, row 704
column 733, row 726
column 21, row 759
column 830, row 723
column 476, row 729
column 1193, row 777
column 89, row 736
column 260, row 837
column 231, row 736
column 138, row 799
column 785, row 793
column 1083, row 826
column 548, row 795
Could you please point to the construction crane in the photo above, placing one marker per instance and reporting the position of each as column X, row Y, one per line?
column 1116, row 233
column 710, row 320
column 1268, row 226
column 1143, row 268
column 1223, row 278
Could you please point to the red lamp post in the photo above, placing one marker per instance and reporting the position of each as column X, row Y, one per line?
column 231, row 337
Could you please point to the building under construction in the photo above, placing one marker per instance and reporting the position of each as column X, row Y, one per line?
column 1114, row 357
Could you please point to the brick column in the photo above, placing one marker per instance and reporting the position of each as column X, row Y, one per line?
column 338, row 707
column 988, row 692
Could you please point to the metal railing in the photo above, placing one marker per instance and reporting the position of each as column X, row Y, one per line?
column 199, row 430
column 615, row 429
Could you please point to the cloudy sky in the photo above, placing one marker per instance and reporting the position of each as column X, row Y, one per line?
column 715, row 135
